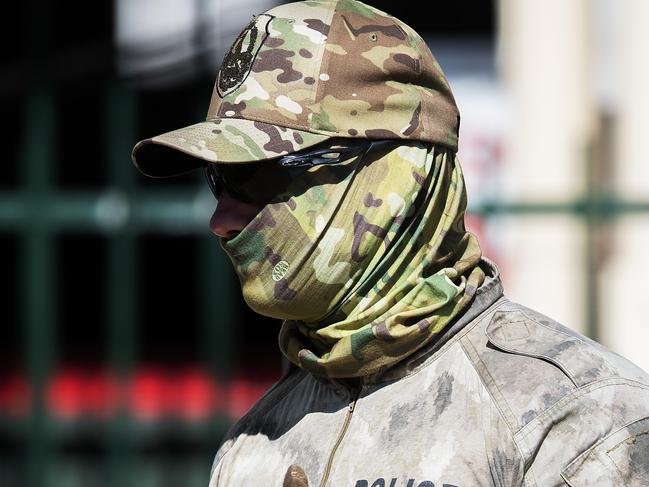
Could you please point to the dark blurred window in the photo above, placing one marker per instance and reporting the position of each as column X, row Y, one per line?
column 11, row 44
column 10, row 338
column 78, row 23
column 82, row 298
column 11, row 121
column 81, row 158
column 167, row 311
column 444, row 19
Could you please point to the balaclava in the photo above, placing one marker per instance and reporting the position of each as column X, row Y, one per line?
column 365, row 262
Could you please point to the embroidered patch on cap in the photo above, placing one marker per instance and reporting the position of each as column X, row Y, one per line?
column 238, row 61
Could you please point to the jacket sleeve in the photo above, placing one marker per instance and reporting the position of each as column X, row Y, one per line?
column 620, row 458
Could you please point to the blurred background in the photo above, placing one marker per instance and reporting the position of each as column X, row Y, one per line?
column 127, row 350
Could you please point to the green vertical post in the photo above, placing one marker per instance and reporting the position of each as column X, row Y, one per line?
column 217, row 305
column 592, row 219
column 38, row 274
column 121, row 271
column 217, row 319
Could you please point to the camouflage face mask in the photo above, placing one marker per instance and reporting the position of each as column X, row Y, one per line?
column 365, row 262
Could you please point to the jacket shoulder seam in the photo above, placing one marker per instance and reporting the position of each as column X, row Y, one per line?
column 488, row 382
column 571, row 337
column 573, row 396
column 503, row 409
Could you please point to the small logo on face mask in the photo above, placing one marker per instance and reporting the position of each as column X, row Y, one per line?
column 280, row 270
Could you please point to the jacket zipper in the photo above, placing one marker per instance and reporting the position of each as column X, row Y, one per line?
column 350, row 410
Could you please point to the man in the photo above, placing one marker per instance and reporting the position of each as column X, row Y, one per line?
column 330, row 145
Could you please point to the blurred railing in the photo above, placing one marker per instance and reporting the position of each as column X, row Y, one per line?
column 38, row 212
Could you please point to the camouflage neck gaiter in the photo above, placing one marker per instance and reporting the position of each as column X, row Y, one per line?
column 366, row 262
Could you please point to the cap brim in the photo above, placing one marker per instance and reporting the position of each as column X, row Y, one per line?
column 223, row 140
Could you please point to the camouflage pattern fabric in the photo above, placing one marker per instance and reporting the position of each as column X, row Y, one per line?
column 366, row 261
column 303, row 72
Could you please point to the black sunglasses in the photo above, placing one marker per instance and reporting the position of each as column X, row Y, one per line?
column 259, row 182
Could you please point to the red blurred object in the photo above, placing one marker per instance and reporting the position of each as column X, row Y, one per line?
column 64, row 395
column 150, row 394
column 74, row 392
column 198, row 396
column 475, row 225
column 102, row 394
column 243, row 394
column 15, row 395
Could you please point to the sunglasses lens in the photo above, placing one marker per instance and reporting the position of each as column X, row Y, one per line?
column 260, row 182
column 239, row 181
column 249, row 182
column 213, row 181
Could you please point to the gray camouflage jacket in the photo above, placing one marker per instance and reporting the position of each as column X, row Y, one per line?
column 505, row 397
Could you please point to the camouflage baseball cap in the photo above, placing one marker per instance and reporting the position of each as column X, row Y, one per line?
column 304, row 72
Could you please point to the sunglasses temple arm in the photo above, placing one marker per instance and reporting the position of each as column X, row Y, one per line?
column 316, row 158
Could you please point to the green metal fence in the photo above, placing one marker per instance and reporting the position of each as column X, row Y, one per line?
column 38, row 213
